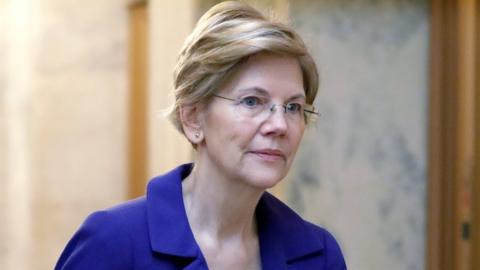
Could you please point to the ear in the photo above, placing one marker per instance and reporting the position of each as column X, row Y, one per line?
column 190, row 118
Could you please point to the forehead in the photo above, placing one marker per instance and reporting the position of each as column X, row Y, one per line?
column 277, row 75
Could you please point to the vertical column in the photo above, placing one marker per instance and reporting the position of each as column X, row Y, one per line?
column 3, row 143
column 465, row 133
column 442, row 77
column 138, row 65
column 475, row 228
column 452, row 135
column 17, row 119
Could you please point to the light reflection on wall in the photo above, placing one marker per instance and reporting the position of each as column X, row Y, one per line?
column 19, row 18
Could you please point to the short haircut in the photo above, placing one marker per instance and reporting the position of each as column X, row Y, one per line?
column 224, row 37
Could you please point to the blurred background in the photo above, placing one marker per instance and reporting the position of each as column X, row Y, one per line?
column 391, row 168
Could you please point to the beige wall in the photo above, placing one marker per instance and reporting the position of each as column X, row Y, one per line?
column 63, row 116
column 3, row 165
column 62, row 119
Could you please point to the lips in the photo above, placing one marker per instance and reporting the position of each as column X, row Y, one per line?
column 269, row 154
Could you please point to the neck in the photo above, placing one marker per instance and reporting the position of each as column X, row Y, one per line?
column 218, row 206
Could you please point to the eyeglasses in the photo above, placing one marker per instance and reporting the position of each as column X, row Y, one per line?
column 261, row 107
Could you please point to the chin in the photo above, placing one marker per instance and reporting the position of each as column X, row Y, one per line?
column 265, row 178
column 260, row 173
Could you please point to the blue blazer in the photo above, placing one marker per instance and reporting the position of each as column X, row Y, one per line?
column 152, row 232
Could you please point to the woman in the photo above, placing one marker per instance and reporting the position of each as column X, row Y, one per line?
column 244, row 88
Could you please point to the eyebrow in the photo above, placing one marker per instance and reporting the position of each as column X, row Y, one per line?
column 298, row 96
column 264, row 92
column 256, row 89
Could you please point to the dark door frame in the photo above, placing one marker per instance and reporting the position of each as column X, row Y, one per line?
column 453, row 239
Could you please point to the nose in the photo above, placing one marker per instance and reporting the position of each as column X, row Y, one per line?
column 275, row 123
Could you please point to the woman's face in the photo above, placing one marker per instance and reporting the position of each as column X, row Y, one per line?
column 243, row 145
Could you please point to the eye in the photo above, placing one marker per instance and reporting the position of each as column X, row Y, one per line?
column 293, row 108
column 251, row 101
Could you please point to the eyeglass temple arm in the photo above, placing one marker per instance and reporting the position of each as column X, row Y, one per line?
column 310, row 111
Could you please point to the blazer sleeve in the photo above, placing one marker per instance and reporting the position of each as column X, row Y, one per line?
column 100, row 243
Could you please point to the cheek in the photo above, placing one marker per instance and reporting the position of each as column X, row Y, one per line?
column 296, row 138
column 242, row 133
column 227, row 131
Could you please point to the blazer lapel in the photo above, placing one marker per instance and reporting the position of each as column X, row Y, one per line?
column 284, row 236
column 168, row 225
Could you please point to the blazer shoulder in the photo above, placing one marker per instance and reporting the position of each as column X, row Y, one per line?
column 332, row 251
column 307, row 245
column 104, row 240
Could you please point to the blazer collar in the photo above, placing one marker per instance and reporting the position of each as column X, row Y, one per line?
column 168, row 225
column 282, row 233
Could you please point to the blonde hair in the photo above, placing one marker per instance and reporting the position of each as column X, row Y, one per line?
column 224, row 37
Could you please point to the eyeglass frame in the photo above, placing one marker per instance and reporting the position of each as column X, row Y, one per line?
column 272, row 108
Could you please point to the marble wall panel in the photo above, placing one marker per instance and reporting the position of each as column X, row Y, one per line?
column 361, row 171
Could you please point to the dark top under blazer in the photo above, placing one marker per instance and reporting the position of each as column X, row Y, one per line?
column 152, row 232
